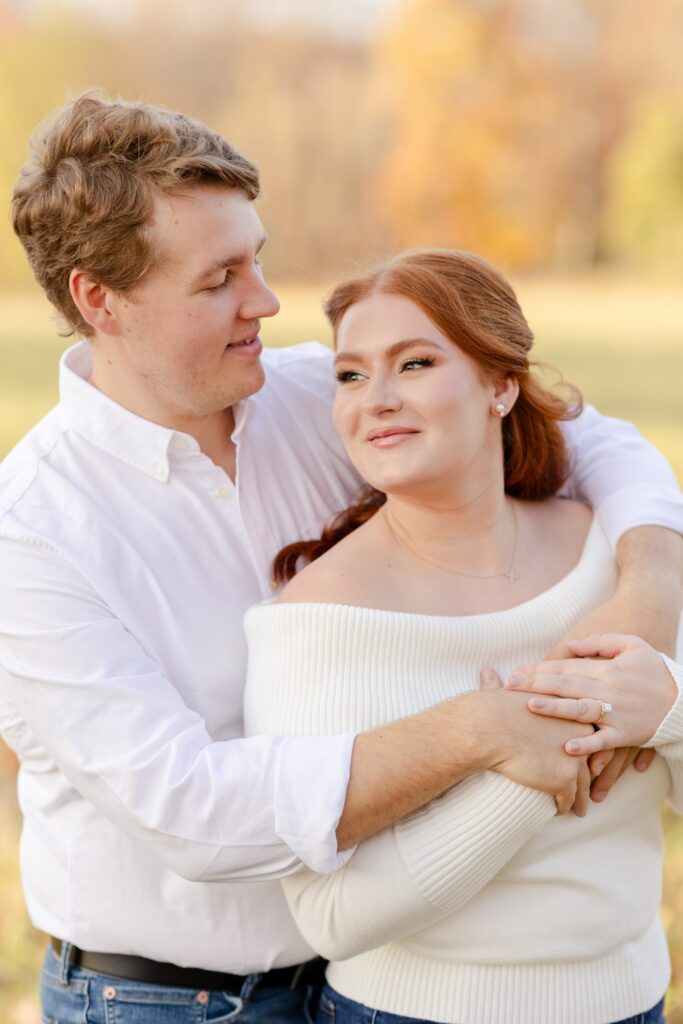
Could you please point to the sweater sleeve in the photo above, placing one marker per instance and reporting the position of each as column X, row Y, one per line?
column 668, row 740
column 318, row 669
column 424, row 868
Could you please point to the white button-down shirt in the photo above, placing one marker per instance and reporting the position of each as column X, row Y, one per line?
column 127, row 561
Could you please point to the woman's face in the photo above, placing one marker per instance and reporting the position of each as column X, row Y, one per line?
column 412, row 409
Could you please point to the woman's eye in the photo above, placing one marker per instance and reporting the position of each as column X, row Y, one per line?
column 348, row 376
column 417, row 363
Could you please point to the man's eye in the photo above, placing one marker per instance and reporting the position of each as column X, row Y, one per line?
column 348, row 376
column 417, row 363
column 218, row 287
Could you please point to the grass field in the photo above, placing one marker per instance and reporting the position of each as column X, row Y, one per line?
column 620, row 341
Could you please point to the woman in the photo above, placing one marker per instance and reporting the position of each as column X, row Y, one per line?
column 484, row 907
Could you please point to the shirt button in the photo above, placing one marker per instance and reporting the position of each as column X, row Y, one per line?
column 110, row 992
column 203, row 998
column 224, row 493
column 179, row 444
column 159, row 472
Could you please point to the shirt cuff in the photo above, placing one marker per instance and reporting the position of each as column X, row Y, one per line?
column 671, row 727
column 640, row 505
column 311, row 777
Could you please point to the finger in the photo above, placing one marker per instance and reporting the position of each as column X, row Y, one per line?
column 606, row 738
column 643, row 760
column 602, row 785
column 604, row 645
column 576, row 679
column 583, row 789
column 565, row 799
column 489, row 679
column 630, row 758
column 560, row 653
column 598, row 762
column 582, row 710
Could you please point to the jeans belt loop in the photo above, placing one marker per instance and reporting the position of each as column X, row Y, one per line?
column 65, row 963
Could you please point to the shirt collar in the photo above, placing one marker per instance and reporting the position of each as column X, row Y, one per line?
column 130, row 438
column 241, row 412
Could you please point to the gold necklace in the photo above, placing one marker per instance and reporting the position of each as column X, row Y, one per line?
column 510, row 573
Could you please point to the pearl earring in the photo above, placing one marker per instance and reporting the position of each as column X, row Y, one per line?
column 500, row 409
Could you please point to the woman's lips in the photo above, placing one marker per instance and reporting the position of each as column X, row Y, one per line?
column 390, row 437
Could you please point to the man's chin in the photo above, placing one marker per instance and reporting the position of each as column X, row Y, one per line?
column 248, row 382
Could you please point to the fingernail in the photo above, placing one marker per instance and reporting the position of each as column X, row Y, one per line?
column 538, row 703
column 573, row 747
column 514, row 681
column 599, row 795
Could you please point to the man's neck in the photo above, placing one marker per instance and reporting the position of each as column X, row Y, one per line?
column 212, row 432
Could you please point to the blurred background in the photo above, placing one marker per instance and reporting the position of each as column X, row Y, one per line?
column 546, row 135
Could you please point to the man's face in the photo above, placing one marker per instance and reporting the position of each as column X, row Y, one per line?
column 188, row 344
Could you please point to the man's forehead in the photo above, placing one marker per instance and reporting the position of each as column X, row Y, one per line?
column 203, row 225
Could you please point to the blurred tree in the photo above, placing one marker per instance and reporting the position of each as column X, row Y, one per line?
column 299, row 104
column 517, row 128
column 644, row 214
column 37, row 58
column 505, row 115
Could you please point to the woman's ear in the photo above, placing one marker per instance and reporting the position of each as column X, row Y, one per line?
column 504, row 396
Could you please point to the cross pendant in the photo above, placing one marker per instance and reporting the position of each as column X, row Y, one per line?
column 511, row 575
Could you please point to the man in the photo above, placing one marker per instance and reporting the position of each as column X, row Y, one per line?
column 137, row 522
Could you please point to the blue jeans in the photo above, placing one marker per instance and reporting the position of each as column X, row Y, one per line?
column 337, row 1009
column 71, row 995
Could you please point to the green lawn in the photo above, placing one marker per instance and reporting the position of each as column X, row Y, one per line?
column 620, row 341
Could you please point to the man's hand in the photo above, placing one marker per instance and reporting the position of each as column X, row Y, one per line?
column 607, row 767
column 531, row 758
column 401, row 766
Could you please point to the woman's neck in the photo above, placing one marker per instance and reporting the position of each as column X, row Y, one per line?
column 470, row 536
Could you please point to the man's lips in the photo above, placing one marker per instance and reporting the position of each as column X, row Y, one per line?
column 249, row 346
column 387, row 437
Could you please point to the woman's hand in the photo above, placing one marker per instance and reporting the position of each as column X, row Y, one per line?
column 631, row 677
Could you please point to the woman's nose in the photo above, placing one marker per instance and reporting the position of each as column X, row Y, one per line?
column 380, row 396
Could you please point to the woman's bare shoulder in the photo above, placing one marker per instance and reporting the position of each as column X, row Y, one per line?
column 337, row 577
column 563, row 522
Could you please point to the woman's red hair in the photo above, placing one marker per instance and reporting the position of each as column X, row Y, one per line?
column 472, row 304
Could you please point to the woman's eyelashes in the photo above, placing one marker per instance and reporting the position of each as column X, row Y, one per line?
column 417, row 362
column 347, row 376
column 414, row 363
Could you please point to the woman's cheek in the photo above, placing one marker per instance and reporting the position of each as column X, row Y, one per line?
column 342, row 417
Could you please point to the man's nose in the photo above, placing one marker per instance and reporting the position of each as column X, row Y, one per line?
column 259, row 302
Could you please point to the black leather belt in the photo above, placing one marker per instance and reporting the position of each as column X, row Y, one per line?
column 138, row 968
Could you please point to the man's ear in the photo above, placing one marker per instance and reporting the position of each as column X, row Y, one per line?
column 93, row 302
column 505, row 392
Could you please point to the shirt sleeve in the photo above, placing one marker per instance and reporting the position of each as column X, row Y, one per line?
column 421, row 870
column 83, row 687
column 625, row 478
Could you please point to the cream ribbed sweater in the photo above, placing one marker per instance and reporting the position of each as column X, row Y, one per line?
column 483, row 908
